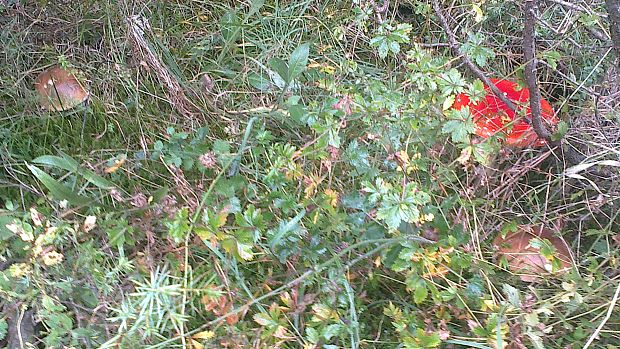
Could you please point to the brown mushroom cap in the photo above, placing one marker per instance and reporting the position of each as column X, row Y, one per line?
column 59, row 89
column 526, row 260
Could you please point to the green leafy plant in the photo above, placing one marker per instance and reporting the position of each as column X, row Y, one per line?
column 388, row 38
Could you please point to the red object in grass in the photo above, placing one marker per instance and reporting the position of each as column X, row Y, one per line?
column 492, row 116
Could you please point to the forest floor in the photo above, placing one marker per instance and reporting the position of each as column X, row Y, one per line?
column 296, row 174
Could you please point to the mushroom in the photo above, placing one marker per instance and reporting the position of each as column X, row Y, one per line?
column 526, row 260
column 59, row 89
column 492, row 116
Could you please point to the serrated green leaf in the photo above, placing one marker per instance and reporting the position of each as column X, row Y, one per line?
column 286, row 228
column 476, row 51
column 312, row 335
column 457, row 130
column 552, row 58
column 562, row 129
column 376, row 41
column 448, row 102
column 394, row 47
column 425, row 340
column 331, row 331
column 383, row 49
column 420, row 293
column 510, row 227
column 178, row 228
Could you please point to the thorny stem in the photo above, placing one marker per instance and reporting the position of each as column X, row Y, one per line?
column 456, row 48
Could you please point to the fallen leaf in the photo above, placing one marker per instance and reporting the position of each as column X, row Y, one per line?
column 117, row 164
column 196, row 344
column 37, row 218
column 204, row 335
column 89, row 223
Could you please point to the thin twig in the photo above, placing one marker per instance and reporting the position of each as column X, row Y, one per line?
column 379, row 11
column 529, row 51
column 456, row 48
column 571, row 6
column 139, row 28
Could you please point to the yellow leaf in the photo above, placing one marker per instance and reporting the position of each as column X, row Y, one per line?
column 447, row 103
column 287, row 300
column 465, row 156
column 18, row 270
column 281, row 333
column 332, row 197
column 479, row 14
column 52, row 258
column 117, row 164
column 221, row 217
column 37, row 218
column 203, row 233
column 196, row 344
column 310, row 189
column 204, row 335
column 488, row 304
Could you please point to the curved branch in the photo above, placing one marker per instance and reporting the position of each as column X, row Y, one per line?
column 456, row 49
column 613, row 10
column 529, row 51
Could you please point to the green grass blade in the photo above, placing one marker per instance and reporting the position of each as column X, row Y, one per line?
column 65, row 163
column 69, row 164
column 58, row 190
column 467, row 343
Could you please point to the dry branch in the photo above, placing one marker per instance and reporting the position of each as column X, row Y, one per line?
column 529, row 51
column 380, row 10
column 613, row 10
column 138, row 27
